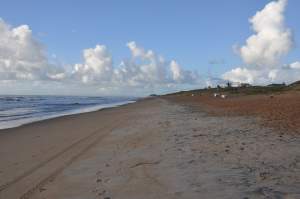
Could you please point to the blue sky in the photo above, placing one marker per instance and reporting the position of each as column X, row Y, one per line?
column 194, row 33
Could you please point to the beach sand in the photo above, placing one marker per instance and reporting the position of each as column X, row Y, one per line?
column 278, row 110
column 164, row 147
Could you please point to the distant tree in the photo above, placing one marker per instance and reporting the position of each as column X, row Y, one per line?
column 218, row 87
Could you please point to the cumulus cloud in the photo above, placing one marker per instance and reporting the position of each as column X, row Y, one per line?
column 271, row 40
column 97, row 66
column 295, row 65
column 23, row 57
column 143, row 69
column 182, row 76
column 240, row 75
column 262, row 54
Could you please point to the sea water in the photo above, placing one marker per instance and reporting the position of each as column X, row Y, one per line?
column 18, row 110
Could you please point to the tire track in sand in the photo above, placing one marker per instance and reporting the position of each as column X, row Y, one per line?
column 22, row 187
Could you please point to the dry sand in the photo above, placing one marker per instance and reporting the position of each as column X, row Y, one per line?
column 280, row 111
column 154, row 148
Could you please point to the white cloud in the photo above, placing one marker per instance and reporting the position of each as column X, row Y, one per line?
column 176, row 71
column 295, row 65
column 143, row 69
column 182, row 76
column 97, row 66
column 240, row 75
column 22, row 57
column 271, row 40
column 264, row 50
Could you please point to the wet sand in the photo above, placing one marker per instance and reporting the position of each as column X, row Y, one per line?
column 155, row 148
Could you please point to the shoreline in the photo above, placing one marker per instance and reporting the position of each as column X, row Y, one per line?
column 27, row 149
column 32, row 120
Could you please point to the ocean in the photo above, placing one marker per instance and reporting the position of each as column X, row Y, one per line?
column 19, row 110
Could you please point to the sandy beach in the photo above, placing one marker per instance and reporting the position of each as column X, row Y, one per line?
column 150, row 99
column 162, row 147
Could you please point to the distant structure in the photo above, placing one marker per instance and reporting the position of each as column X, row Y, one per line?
column 153, row 95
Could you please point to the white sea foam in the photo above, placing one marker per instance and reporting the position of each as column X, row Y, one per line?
column 19, row 121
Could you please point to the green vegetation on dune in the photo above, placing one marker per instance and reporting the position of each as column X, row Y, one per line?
column 244, row 90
